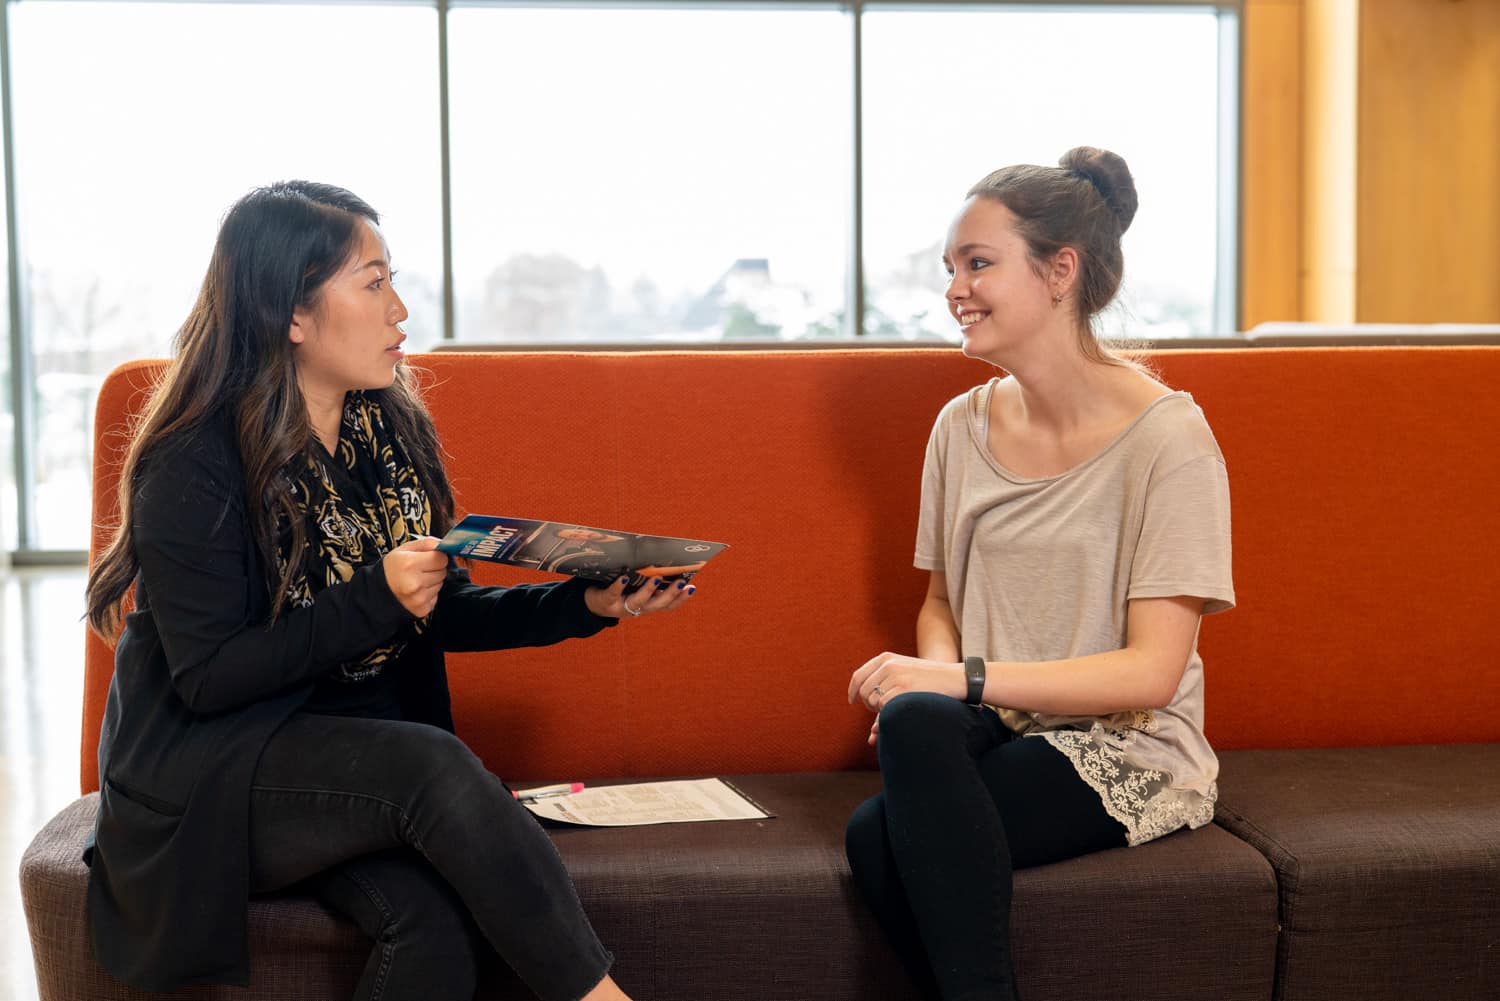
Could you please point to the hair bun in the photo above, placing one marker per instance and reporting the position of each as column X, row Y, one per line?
column 1107, row 172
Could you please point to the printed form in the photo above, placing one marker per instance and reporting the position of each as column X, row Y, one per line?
column 674, row 802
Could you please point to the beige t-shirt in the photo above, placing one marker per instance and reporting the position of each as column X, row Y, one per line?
column 1043, row 569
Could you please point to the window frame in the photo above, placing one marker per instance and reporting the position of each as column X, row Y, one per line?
column 22, row 386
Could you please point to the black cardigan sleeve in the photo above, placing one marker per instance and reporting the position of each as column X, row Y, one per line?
column 471, row 616
column 200, row 581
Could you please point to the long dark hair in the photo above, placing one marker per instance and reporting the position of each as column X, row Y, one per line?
column 1086, row 202
column 276, row 249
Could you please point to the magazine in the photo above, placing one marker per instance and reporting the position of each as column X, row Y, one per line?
column 597, row 554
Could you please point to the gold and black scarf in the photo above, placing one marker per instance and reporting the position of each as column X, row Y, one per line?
column 356, row 506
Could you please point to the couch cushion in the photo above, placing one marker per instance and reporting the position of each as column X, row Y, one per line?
column 1191, row 915
column 762, row 910
column 765, row 910
column 1388, row 861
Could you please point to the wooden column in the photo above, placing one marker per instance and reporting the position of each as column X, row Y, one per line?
column 1271, row 162
column 1330, row 143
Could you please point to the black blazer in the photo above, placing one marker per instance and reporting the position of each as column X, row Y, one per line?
column 200, row 685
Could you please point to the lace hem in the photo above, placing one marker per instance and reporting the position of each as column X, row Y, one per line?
column 1139, row 798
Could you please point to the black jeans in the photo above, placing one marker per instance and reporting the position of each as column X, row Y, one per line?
column 964, row 803
column 401, row 827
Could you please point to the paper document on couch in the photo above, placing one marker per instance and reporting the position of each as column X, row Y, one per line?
column 678, row 801
column 600, row 554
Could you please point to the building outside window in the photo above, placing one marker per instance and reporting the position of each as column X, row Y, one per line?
column 690, row 185
column 950, row 95
column 128, row 155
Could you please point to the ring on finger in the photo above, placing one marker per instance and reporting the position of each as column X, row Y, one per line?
column 878, row 691
column 632, row 611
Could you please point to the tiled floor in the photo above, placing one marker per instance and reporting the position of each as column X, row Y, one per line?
column 41, row 684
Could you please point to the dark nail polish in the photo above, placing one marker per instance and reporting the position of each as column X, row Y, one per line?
column 681, row 584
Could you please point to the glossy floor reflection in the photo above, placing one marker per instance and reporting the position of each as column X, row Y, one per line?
column 41, row 697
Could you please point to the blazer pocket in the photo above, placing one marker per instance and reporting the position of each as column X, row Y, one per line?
column 144, row 800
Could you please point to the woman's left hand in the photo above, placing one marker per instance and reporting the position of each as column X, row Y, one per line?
column 882, row 678
column 656, row 595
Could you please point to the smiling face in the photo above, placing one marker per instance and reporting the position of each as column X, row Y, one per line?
column 994, row 292
column 351, row 338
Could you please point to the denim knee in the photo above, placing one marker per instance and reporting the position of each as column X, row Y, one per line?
column 446, row 773
column 434, row 752
column 457, row 803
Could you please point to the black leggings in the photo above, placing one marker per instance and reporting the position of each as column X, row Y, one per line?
column 964, row 803
column 401, row 827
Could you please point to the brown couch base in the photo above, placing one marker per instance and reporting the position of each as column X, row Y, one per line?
column 299, row 950
column 764, row 910
column 1388, row 862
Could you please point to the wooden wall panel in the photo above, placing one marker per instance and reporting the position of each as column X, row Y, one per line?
column 1429, row 161
column 1271, row 162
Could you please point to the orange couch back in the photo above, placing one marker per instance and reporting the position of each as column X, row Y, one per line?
column 1366, row 562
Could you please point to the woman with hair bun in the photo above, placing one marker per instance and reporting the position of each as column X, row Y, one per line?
column 1075, row 523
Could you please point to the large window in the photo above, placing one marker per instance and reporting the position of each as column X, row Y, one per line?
column 950, row 95
column 9, row 525
column 127, row 156
column 692, row 171
column 691, row 184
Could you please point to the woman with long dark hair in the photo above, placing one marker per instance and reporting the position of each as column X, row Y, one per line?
column 1075, row 523
column 279, row 711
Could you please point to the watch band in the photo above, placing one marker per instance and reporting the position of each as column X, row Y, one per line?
column 974, row 673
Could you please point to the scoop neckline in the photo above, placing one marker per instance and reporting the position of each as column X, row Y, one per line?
column 985, row 394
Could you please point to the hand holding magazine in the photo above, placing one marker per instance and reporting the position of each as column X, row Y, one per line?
column 598, row 554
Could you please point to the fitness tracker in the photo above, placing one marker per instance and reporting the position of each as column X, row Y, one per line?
column 974, row 673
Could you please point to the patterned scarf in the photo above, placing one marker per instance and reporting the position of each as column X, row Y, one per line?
column 356, row 506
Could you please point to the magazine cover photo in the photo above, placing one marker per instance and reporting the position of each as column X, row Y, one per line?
column 594, row 553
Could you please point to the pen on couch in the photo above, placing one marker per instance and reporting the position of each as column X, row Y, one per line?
column 545, row 792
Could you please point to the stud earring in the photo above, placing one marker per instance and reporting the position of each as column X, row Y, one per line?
column 1057, row 298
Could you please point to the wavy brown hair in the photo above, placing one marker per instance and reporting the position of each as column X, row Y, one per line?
column 1086, row 202
column 276, row 249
